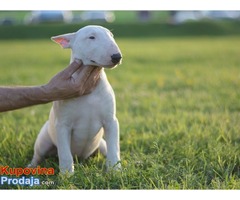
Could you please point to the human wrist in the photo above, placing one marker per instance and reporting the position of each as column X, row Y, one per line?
column 46, row 94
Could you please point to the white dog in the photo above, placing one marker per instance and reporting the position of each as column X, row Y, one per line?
column 77, row 126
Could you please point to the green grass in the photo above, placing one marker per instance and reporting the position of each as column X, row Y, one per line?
column 177, row 104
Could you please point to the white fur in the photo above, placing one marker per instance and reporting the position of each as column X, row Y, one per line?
column 77, row 126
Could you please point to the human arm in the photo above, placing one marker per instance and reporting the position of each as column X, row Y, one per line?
column 61, row 86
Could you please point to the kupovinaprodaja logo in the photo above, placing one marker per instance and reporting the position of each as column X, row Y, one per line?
column 7, row 171
column 31, row 181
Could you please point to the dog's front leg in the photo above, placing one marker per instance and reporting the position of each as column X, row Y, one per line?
column 64, row 150
column 111, row 129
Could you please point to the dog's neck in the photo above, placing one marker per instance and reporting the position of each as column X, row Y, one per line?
column 103, row 76
column 73, row 58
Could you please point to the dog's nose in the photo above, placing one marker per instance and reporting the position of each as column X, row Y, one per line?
column 116, row 58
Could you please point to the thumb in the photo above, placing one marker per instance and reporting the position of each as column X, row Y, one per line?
column 71, row 69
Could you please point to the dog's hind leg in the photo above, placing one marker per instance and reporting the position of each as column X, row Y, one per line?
column 42, row 147
column 103, row 147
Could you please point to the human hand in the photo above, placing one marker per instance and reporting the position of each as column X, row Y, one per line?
column 75, row 80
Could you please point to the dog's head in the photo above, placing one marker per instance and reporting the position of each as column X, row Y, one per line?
column 94, row 45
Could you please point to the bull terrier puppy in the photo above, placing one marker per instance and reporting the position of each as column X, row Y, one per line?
column 77, row 126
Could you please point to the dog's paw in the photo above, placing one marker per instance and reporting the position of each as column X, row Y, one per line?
column 31, row 165
column 66, row 172
column 116, row 167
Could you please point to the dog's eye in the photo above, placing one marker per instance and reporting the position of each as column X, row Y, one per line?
column 92, row 37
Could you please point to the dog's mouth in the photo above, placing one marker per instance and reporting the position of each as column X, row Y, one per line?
column 93, row 61
column 114, row 60
column 109, row 66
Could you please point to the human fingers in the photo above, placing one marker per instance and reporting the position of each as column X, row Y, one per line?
column 82, row 76
column 72, row 68
column 95, row 74
column 92, row 80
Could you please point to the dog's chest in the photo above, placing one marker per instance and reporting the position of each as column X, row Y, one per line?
column 87, row 113
column 79, row 112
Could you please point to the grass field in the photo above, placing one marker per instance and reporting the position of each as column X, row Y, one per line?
column 177, row 104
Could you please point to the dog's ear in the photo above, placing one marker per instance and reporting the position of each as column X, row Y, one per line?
column 64, row 40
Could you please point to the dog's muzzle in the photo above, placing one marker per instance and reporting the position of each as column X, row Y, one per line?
column 116, row 58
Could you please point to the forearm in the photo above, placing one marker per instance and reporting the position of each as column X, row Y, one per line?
column 61, row 86
column 18, row 97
